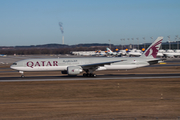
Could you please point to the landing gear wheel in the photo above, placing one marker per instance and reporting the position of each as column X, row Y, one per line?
column 89, row 75
column 22, row 76
column 84, row 74
column 93, row 75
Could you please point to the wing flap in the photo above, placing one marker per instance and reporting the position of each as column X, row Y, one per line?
column 154, row 61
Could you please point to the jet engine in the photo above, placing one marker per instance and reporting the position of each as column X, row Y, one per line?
column 74, row 70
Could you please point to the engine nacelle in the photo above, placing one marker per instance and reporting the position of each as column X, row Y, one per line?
column 74, row 70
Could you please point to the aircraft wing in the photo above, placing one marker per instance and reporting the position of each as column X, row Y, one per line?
column 99, row 64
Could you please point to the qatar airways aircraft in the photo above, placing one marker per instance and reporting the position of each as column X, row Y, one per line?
column 74, row 66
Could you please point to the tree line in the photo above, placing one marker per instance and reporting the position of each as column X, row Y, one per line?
column 33, row 51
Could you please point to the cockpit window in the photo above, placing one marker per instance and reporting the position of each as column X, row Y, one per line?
column 14, row 63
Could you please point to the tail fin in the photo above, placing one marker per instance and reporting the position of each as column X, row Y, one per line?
column 127, row 50
column 153, row 49
column 109, row 50
column 143, row 49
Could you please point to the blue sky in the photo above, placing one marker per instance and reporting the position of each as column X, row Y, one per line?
column 34, row 22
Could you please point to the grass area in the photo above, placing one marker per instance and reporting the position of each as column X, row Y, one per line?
column 100, row 99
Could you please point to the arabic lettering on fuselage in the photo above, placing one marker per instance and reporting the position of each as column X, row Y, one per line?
column 69, row 60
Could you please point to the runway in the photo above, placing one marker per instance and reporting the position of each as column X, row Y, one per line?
column 99, row 77
column 172, row 64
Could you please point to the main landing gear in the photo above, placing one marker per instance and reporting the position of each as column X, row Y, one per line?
column 89, row 75
column 89, row 72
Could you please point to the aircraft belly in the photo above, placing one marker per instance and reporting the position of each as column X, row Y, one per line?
column 124, row 67
column 60, row 68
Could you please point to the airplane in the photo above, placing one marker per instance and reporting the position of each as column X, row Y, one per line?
column 159, row 54
column 89, row 53
column 133, row 52
column 171, row 54
column 2, row 55
column 75, row 66
column 83, row 53
column 123, row 52
column 100, row 53
column 110, row 52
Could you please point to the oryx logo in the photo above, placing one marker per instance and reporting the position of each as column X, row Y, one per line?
column 154, row 48
column 73, row 70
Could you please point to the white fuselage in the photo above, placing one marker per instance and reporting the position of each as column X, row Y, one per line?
column 61, row 64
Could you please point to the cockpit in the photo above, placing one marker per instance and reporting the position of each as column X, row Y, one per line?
column 14, row 64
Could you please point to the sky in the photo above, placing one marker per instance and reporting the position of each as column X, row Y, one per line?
column 36, row 22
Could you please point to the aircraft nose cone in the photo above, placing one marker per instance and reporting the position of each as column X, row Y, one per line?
column 12, row 67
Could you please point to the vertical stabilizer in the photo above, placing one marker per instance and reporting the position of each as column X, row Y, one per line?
column 108, row 50
column 153, row 49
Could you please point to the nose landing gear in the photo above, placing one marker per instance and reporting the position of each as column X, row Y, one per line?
column 22, row 74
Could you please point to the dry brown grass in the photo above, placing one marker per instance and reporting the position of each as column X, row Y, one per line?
column 144, row 99
column 100, row 99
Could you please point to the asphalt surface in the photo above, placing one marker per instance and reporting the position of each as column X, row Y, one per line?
column 99, row 77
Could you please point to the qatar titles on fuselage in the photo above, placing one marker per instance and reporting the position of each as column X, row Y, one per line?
column 63, row 63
